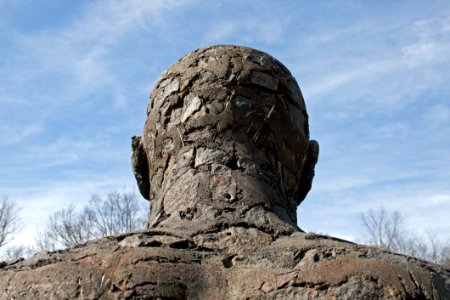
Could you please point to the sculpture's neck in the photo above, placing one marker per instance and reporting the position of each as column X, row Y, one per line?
column 211, row 196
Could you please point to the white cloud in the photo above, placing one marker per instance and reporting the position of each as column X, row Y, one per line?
column 438, row 199
column 389, row 76
column 61, row 152
column 342, row 182
column 49, row 71
column 424, row 206
column 79, row 52
column 13, row 134
column 120, row 101
column 420, row 52
column 437, row 115
column 222, row 30
column 392, row 130
column 249, row 30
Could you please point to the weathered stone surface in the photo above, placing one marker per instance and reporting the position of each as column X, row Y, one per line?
column 225, row 159
column 232, row 263
column 237, row 110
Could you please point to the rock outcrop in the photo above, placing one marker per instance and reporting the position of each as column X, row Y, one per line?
column 225, row 159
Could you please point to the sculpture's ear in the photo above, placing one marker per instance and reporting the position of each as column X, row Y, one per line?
column 312, row 155
column 139, row 164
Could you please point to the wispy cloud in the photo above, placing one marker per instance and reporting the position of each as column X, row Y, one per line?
column 395, row 74
column 48, row 71
column 248, row 30
column 383, row 122
column 261, row 24
column 437, row 115
column 12, row 134
column 81, row 49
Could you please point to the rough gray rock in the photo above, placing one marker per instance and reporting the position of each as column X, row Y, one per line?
column 225, row 159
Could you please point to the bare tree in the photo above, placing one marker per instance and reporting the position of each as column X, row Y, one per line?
column 118, row 212
column 18, row 252
column 103, row 216
column 386, row 230
column 9, row 220
column 65, row 228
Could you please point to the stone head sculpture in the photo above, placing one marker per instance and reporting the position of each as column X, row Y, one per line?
column 226, row 143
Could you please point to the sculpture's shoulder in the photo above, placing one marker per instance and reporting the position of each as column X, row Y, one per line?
column 233, row 263
column 123, row 266
column 325, row 267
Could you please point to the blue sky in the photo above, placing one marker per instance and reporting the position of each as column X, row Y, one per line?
column 75, row 78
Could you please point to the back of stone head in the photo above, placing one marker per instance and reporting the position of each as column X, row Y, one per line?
column 226, row 136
